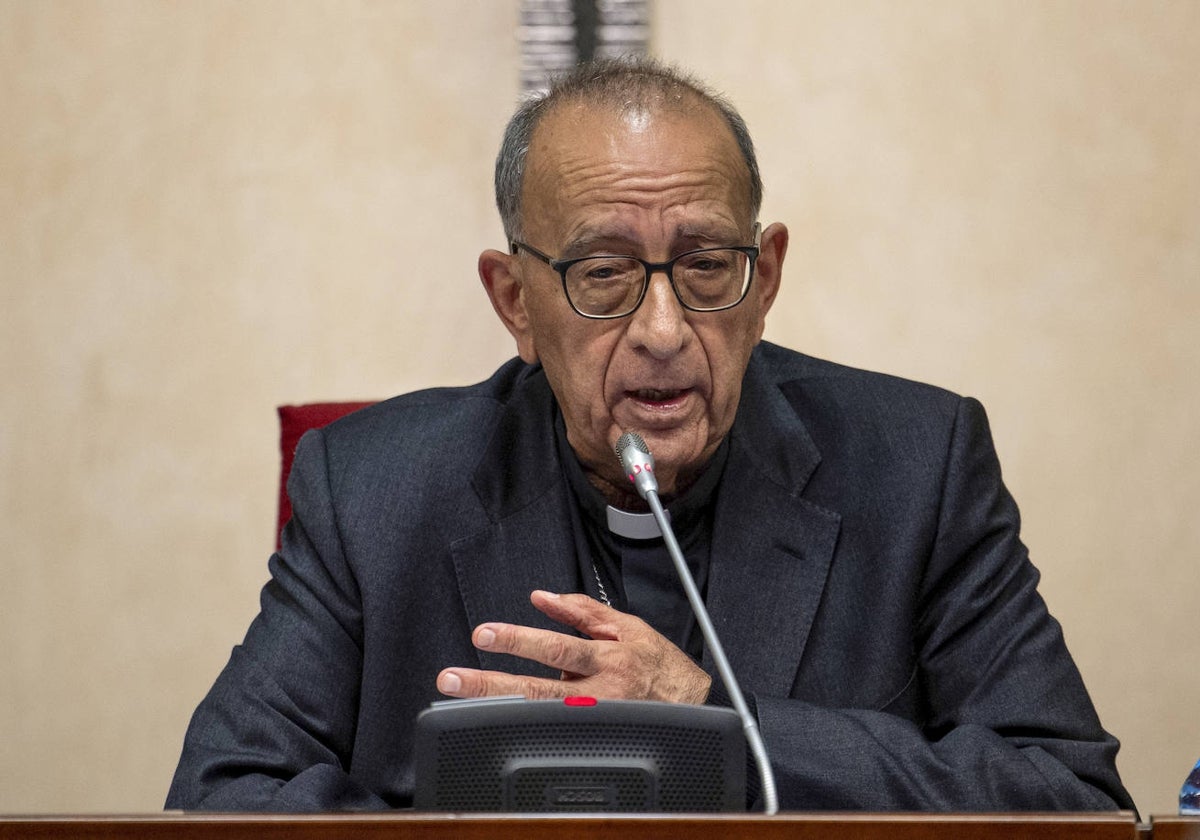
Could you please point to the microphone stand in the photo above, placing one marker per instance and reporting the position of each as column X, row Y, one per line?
column 749, row 724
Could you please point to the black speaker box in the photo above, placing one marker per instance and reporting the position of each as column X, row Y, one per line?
column 579, row 755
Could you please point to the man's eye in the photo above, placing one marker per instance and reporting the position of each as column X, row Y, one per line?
column 706, row 263
column 602, row 272
column 606, row 271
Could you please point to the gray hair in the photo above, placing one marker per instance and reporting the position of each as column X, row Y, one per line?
column 620, row 83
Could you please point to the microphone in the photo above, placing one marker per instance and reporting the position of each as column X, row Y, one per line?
column 638, row 463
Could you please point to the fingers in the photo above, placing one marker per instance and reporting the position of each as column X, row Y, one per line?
column 575, row 658
column 468, row 682
column 558, row 650
column 582, row 612
column 624, row 658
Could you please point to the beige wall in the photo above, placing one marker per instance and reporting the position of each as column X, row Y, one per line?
column 207, row 209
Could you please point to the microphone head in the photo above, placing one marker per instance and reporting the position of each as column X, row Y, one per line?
column 637, row 462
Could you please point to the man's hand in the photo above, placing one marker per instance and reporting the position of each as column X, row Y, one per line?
column 624, row 658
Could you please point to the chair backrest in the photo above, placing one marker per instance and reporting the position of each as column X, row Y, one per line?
column 294, row 421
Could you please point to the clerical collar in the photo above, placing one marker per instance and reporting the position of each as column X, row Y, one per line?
column 633, row 526
column 684, row 511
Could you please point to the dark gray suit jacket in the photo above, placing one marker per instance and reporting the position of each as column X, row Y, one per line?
column 867, row 579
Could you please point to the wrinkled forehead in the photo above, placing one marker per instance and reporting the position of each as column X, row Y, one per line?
column 576, row 133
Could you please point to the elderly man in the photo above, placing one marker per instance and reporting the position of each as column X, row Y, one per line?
column 850, row 531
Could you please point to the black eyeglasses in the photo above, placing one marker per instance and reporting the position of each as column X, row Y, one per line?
column 704, row 280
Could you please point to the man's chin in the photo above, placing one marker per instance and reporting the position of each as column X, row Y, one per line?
column 675, row 461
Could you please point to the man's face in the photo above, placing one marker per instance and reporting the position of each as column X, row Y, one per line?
column 650, row 185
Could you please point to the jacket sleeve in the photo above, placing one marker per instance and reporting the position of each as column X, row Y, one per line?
column 276, row 731
column 1005, row 722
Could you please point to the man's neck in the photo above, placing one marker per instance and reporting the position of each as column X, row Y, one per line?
column 623, row 496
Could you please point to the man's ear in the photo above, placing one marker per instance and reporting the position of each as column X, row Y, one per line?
column 500, row 274
column 768, row 270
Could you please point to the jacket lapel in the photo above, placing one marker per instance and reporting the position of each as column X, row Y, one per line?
column 498, row 567
column 771, row 549
column 520, row 484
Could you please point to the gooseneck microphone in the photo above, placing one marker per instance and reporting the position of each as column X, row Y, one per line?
column 638, row 464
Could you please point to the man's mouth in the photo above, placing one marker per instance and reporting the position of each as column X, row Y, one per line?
column 657, row 396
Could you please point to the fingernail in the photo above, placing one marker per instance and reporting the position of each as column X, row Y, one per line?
column 485, row 638
column 449, row 683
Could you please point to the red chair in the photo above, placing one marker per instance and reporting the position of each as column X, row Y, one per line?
column 294, row 421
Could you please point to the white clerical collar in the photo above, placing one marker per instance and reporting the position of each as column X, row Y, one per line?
column 633, row 526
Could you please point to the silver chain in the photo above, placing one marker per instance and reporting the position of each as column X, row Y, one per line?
column 599, row 583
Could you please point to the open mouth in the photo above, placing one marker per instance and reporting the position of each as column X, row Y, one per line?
column 657, row 396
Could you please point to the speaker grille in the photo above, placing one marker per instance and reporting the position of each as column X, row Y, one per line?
column 580, row 767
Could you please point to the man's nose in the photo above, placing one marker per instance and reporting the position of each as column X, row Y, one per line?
column 660, row 323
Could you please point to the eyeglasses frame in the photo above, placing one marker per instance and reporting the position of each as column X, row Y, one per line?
column 667, row 268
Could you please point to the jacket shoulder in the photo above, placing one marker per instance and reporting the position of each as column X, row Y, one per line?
column 818, row 389
column 432, row 432
column 861, row 421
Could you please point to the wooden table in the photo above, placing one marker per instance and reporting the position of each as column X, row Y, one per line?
column 409, row 826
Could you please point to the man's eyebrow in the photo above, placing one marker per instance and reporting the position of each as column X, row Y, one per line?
column 717, row 234
column 616, row 242
column 596, row 241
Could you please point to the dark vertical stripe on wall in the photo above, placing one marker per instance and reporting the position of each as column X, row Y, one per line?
column 586, row 23
column 555, row 34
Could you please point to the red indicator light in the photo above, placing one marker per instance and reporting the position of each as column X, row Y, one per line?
column 579, row 701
